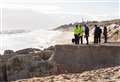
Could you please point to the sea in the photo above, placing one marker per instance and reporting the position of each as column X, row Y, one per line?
column 21, row 39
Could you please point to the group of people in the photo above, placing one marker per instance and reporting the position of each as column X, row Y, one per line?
column 79, row 30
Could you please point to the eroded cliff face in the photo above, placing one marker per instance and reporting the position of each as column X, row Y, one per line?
column 75, row 58
column 56, row 60
column 25, row 63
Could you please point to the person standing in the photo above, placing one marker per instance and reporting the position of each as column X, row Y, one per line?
column 99, row 35
column 86, row 33
column 81, row 33
column 76, row 34
column 96, row 34
column 105, row 34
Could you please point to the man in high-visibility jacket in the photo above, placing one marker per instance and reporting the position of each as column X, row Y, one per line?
column 76, row 34
column 81, row 33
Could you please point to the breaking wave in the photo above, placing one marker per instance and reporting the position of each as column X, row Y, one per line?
column 19, row 39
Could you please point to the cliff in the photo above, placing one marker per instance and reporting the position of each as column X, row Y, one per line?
column 60, row 59
column 69, row 27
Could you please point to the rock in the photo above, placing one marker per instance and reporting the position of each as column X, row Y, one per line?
column 45, row 55
column 18, row 66
column 8, row 52
column 66, row 77
column 50, row 48
column 28, row 51
column 39, row 68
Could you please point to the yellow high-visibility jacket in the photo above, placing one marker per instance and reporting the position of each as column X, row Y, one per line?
column 81, row 30
column 76, row 30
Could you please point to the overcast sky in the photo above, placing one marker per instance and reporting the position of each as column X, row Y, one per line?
column 52, row 13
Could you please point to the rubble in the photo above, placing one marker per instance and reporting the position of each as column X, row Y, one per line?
column 111, row 74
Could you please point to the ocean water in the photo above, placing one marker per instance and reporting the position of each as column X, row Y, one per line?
column 20, row 39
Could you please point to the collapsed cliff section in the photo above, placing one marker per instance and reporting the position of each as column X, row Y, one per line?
column 26, row 63
column 59, row 59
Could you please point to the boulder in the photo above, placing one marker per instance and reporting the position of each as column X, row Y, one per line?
column 28, row 51
column 50, row 48
column 40, row 68
column 8, row 52
column 44, row 55
column 18, row 66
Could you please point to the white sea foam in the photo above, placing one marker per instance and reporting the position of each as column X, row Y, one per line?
column 37, row 39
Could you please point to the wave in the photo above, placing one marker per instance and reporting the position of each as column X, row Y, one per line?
column 14, row 31
column 17, row 40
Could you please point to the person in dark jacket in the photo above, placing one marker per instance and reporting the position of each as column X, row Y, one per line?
column 96, row 34
column 99, row 35
column 86, row 33
column 105, row 34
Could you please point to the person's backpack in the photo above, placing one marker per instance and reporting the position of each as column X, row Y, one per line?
column 100, row 30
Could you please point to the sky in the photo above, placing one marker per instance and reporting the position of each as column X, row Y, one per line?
column 35, row 14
